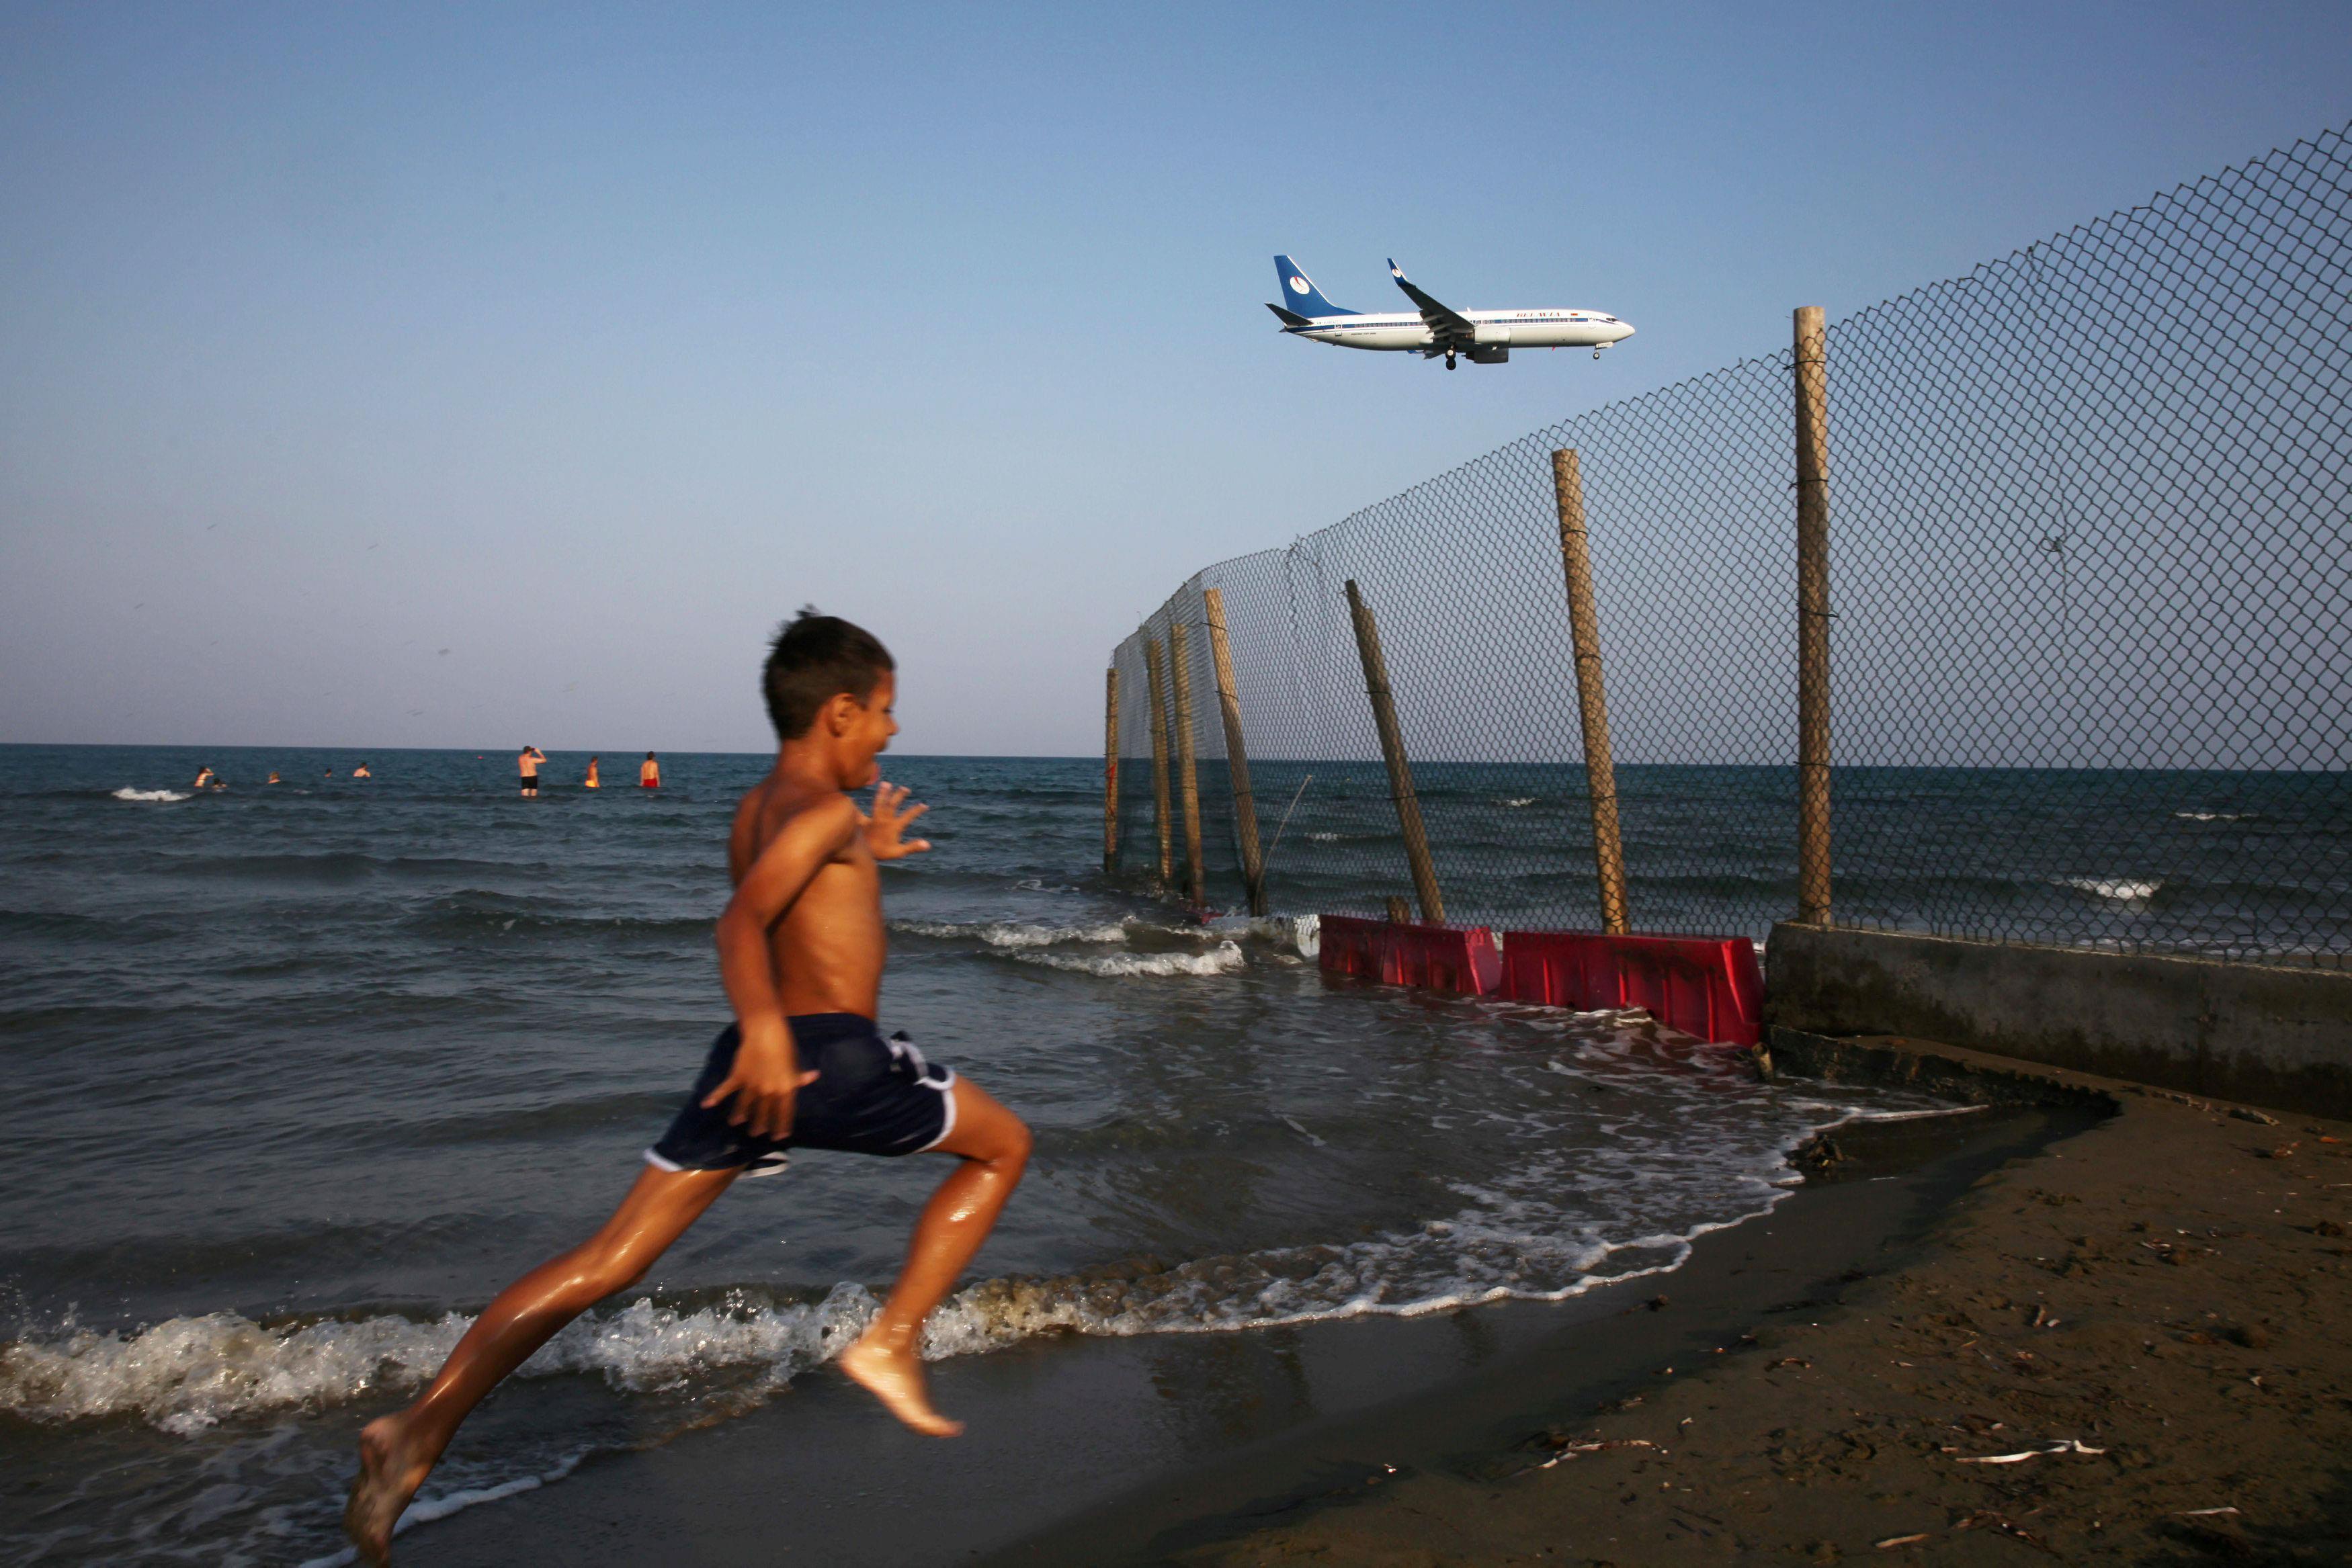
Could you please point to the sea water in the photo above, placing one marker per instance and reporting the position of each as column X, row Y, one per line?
column 298, row 1075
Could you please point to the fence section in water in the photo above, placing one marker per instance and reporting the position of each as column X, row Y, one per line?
column 2089, row 576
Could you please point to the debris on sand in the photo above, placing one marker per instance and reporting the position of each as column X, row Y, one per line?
column 2070, row 1446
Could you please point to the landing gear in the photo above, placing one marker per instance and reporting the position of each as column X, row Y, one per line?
column 1596, row 353
column 1449, row 361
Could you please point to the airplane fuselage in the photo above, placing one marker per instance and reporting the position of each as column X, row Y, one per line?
column 1434, row 329
column 1405, row 330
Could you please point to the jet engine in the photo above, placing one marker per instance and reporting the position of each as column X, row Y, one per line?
column 1496, row 355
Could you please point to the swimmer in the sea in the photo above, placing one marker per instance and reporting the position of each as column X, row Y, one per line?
column 529, row 762
column 649, row 773
column 361, row 772
column 593, row 781
column 206, row 777
column 273, row 777
column 804, row 1066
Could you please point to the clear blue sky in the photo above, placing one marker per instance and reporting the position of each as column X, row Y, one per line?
column 470, row 375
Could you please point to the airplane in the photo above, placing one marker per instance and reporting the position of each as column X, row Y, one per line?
column 1487, row 337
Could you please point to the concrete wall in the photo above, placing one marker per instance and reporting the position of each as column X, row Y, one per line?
column 2267, row 1036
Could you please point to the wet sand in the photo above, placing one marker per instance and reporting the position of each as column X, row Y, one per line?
column 2158, row 1309
column 1107, row 1450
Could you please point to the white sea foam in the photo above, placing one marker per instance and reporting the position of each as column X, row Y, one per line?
column 428, row 1507
column 2216, row 816
column 1222, row 959
column 2117, row 888
column 1527, row 1232
column 127, row 794
column 1008, row 932
column 1518, row 800
column 187, row 1374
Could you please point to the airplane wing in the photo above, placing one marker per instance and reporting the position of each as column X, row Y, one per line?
column 1447, row 325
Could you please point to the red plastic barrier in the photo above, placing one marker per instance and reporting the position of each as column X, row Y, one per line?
column 1455, row 958
column 1705, row 986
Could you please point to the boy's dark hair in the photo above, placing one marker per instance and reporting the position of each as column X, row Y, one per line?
column 815, row 659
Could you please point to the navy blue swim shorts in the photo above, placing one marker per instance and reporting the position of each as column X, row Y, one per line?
column 871, row 1096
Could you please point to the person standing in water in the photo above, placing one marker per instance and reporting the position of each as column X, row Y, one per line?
column 804, row 1065
column 528, row 761
column 593, row 781
column 361, row 772
column 649, row 773
column 206, row 777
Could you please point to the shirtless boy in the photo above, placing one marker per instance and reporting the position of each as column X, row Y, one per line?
column 799, row 953
column 529, row 762
column 649, row 773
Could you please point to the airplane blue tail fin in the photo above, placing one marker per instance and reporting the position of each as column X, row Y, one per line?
column 1299, row 293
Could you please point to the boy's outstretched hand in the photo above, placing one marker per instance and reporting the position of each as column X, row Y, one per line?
column 887, row 822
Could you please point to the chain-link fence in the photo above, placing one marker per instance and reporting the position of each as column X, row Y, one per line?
column 2090, row 558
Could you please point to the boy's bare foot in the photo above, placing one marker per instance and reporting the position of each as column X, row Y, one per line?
column 390, row 1473
column 894, row 1375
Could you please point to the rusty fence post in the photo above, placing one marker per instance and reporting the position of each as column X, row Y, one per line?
column 1229, row 706
column 1384, row 718
column 1188, row 778
column 1592, row 703
column 1812, row 617
column 1157, row 679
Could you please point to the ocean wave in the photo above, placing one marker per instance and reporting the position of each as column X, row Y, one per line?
column 336, row 867
column 2218, row 816
column 130, row 794
column 1010, row 933
column 1017, row 937
column 1222, row 959
column 460, row 916
column 1517, row 800
column 189, row 1374
column 2121, row 890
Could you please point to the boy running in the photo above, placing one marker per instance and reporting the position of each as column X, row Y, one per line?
column 799, row 953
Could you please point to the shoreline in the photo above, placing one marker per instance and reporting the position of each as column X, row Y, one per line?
column 2131, row 1347
column 1091, row 1448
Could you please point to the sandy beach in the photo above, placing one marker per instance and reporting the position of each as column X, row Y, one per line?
column 1089, row 1450
column 2093, row 1321
column 2130, row 1348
